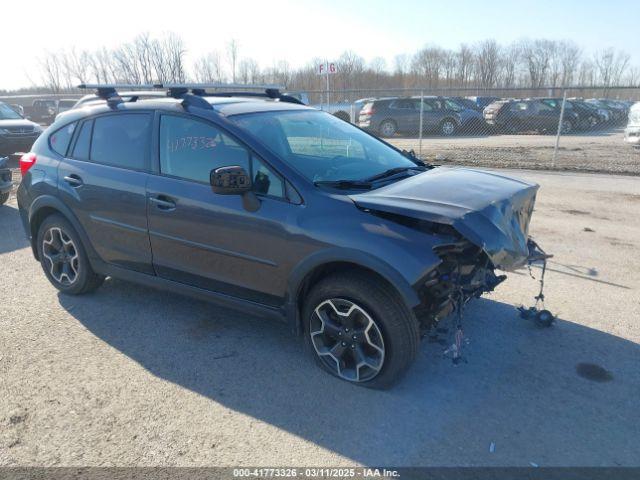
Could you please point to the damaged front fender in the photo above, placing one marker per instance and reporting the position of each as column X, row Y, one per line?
column 490, row 210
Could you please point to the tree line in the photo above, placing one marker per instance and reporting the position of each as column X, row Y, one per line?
column 528, row 63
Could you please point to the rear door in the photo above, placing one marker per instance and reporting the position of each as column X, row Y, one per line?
column 212, row 241
column 545, row 116
column 404, row 113
column 432, row 113
column 103, row 180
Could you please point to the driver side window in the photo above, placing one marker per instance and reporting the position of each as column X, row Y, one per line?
column 190, row 149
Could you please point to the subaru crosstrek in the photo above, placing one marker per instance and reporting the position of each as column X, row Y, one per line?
column 275, row 208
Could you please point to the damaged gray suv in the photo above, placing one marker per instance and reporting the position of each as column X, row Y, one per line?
column 259, row 203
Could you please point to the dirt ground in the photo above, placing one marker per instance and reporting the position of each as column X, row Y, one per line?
column 597, row 151
column 132, row 376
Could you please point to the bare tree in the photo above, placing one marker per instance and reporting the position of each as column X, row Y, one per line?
column 510, row 61
column 464, row 64
column 233, row 48
column 610, row 66
column 52, row 74
column 209, row 68
column 487, row 63
column 428, row 64
column 569, row 55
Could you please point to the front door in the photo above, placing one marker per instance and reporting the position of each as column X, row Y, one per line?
column 103, row 181
column 212, row 241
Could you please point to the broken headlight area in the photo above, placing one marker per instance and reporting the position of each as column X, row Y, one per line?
column 465, row 272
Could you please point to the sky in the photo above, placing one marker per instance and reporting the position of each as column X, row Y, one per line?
column 297, row 31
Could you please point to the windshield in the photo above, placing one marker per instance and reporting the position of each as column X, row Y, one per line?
column 322, row 147
column 8, row 113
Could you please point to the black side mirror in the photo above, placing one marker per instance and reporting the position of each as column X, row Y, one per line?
column 232, row 180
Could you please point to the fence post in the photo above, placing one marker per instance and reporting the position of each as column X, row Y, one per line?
column 555, row 149
column 420, row 127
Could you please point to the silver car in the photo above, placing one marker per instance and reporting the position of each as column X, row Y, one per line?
column 632, row 132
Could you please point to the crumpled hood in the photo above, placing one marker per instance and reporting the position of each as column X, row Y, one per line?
column 488, row 209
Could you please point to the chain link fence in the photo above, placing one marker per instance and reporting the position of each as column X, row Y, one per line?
column 580, row 129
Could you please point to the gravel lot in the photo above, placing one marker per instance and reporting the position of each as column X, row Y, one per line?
column 598, row 151
column 133, row 376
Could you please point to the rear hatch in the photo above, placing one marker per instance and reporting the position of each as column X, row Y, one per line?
column 488, row 209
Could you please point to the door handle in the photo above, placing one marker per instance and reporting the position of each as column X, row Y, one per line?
column 74, row 180
column 163, row 203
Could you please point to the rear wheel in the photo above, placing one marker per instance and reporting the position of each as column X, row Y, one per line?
column 388, row 128
column 360, row 330
column 63, row 257
column 3, row 198
column 448, row 127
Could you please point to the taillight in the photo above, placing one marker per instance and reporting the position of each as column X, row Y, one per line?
column 27, row 161
column 368, row 111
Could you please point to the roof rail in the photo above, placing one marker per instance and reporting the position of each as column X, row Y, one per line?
column 192, row 93
column 108, row 92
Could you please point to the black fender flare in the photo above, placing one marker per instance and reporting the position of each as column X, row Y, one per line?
column 341, row 255
column 49, row 201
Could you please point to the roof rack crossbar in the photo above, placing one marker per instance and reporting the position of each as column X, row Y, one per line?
column 192, row 93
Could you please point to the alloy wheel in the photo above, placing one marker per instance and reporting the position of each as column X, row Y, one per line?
column 387, row 129
column 347, row 340
column 448, row 127
column 61, row 255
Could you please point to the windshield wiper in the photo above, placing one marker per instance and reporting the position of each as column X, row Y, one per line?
column 344, row 184
column 391, row 172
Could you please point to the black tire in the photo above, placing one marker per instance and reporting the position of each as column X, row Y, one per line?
column 448, row 127
column 84, row 279
column 566, row 127
column 388, row 128
column 4, row 197
column 391, row 318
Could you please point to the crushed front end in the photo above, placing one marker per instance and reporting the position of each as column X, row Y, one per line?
column 479, row 222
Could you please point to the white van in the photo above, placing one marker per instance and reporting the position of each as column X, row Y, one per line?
column 632, row 132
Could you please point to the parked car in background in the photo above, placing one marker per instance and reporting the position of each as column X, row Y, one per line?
column 41, row 111
column 585, row 117
column 482, row 102
column 389, row 116
column 65, row 104
column 16, row 133
column 515, row 116
column 5, row 180
column 341, row 110
column 18, row 108
column 617, row 113
column 632, row 132
column 603, row 114
column 466, row 103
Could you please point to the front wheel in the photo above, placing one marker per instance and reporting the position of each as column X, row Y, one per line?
column 566, row 127
column 360, row 330
column 64, row 259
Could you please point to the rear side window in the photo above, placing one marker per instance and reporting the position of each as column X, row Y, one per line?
column 121, row 140
column 59, row 140
column 83, row 142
